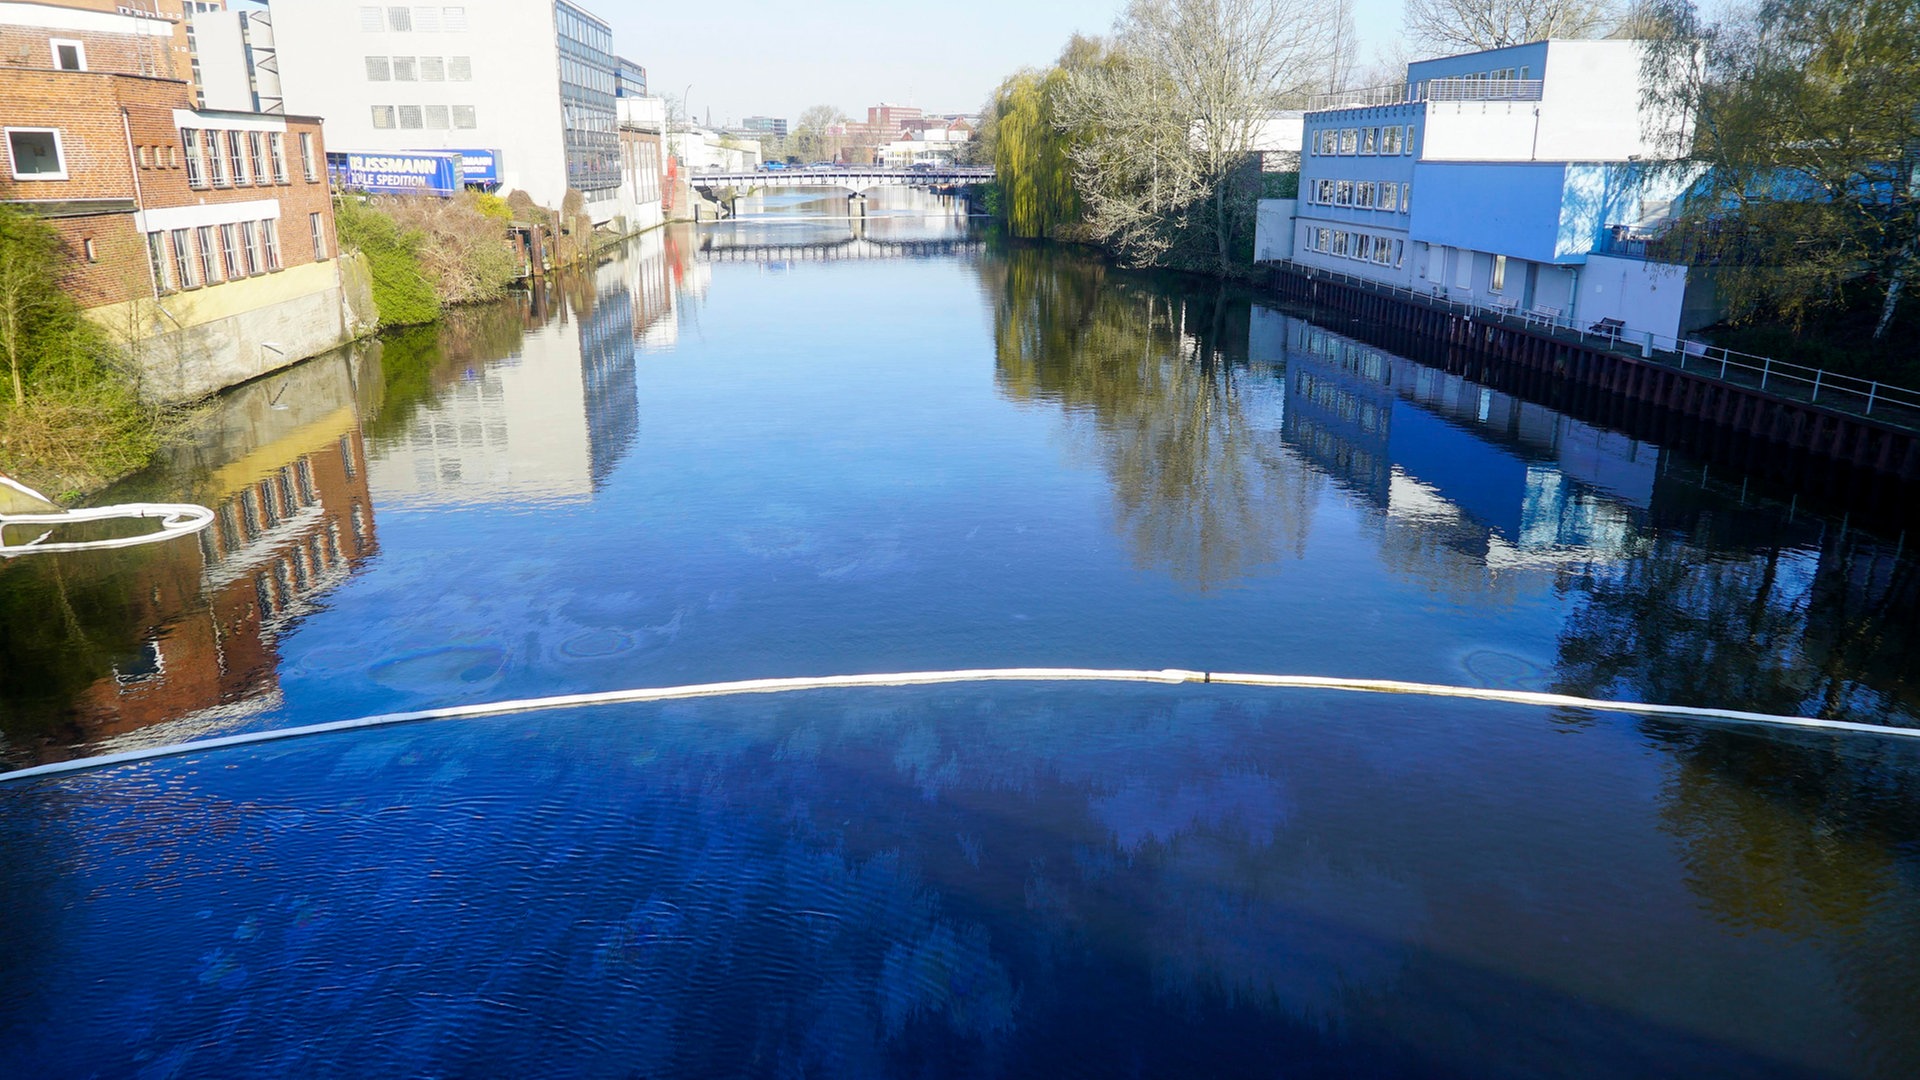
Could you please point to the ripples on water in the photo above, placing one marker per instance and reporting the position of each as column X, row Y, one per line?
column 1039, row 881
column 778, row 448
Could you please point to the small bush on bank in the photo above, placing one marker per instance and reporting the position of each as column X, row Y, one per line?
column 427, row 253
column 401, row 290
column 71, row 418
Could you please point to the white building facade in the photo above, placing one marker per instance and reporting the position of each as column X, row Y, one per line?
column 533, row 81
column 1496, row 178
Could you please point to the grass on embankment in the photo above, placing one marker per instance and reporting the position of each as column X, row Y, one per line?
column 71, row 419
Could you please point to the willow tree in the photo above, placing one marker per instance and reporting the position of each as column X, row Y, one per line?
column 1166, row 122
column 1030, row 148
column 1803, row 119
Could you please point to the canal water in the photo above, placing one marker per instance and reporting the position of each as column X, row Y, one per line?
column 801, row 443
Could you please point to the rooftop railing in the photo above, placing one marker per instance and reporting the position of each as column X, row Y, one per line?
column 1368, row 97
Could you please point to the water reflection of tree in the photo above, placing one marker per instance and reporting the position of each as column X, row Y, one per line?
column 418, row 361
column 1158, row 375
column 1810, row 836
column 64, row 624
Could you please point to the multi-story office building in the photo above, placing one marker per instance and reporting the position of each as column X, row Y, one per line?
column 765, row 125
column 531, row 81
column 202, row 237
column 1492, row 177
column 629, row 78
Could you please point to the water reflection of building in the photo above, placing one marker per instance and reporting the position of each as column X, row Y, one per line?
column 547, row 422
column 1520, row 483
column 293, row 518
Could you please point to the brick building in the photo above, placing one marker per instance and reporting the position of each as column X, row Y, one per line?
column 203, row 239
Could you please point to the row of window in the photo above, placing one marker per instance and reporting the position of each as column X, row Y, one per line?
column 417, row 20
column 429, row 117
column 1391, row 141
column 419, row 69
column 1364, row 194
column 1366, row 247
column 211, row 254
column 585, row 75
column 576, row 25
column 242, row 158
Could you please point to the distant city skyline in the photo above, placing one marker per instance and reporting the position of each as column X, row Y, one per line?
column 761, row 60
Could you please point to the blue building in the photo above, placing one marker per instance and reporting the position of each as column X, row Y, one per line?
column 1496, row 178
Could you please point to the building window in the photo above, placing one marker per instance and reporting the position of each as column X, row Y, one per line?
column 270, row 243
column 257, row 144
column 383, row 116
column 250, row 247
column 399, row 18
column 309, row 164
column 1349, row 140
column 403, row 69
column 317, row 226
column 437, row 117
column 1406, row 198
column 145, row 156
column 1363, row 193
column 216, row 160
column 277, row 147
column 86, row 246
column 1389, row 196
column 237, row 157
column 372, row 20
column 1326, row 192
column 426, row 20
column 36, row 154
column 183, row 258
column 68, row 55
column 378, row 70
column 454, row 20
column 209, row 259
column 1339, row 243
column 1363, row 247
column 463, row 116
column 196, row 160
column 433, row 69
column 1499, row 280
column 460, row 69
column 410, row 117
column 1407, row 146
column 157, row 260
column 1343, row 193
column 1390, row 140
column 1370, row 140
column 230, row 251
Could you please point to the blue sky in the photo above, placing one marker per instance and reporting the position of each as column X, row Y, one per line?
column 748, row 57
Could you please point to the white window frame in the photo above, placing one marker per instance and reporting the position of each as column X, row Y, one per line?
column 206, row 240
column 309, row 167
column 59, row 153
column 1497, row 278
column 317, row 228
column 79, row 48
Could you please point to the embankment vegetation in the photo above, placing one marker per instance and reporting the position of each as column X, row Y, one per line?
column 426, row 254
column 1151, row 142
column 71, row 418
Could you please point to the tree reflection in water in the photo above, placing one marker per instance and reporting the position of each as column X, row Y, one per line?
column 1154, row 380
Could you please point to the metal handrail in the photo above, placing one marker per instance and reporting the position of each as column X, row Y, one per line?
column 1455, row 89
column 1775, row 376
column 1483, row 90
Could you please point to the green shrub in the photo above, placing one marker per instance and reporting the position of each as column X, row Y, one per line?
column 70, row 417
column 401, row 290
